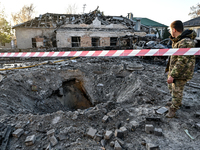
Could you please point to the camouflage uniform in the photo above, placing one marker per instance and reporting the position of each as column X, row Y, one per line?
column 181, row 68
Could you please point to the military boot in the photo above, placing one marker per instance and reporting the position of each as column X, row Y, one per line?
column 171, row 113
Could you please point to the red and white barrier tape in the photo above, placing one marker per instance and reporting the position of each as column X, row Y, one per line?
column 111, row 53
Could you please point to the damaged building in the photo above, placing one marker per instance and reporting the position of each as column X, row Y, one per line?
column 89, row 30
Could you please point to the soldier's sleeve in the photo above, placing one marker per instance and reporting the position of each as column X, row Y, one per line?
column 179, row 66
column 182, row 61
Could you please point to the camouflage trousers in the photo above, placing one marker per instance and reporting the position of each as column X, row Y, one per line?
column 176, row 90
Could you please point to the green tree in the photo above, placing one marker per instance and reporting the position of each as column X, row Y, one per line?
column 25, row 14
column 195, row 11
column 5, row 28
column 166, row 33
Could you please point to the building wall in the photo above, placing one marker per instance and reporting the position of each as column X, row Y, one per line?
column 24, row 36
column 196, row 29
column 86, row 41
column 7, row 45
column 64, row 37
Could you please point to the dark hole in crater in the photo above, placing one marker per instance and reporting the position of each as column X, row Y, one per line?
column 73, row 95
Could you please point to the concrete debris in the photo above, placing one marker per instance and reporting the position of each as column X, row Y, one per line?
column 198, row 126
column 17, row 133
column 197, row 114
column 117, row 146
column 69, row 110
column 4, row 136
column 108, row 135
column 162, row 110
column 53, row 140
column 30, row 140
column 149, row 128
column 91, row 133
column 134, row 125
column 98, row 137
column 51, row 132
column 158, row 131
column 151, row 146
column 1, row 77
column 105, row 119
column 119, row 133
column 124, row 130
column 134, row 67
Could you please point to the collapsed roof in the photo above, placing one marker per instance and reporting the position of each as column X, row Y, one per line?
column 50, row 20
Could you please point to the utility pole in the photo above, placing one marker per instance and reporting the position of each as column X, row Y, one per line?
column 84, row 5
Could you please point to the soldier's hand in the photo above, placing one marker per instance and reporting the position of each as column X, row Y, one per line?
column 170, row 80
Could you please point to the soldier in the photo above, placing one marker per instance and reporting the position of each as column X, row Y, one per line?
column 180, row 68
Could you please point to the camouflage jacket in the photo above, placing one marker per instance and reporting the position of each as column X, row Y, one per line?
column 182, row 67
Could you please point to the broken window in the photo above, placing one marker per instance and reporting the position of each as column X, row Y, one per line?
column 76, row 41
column 95, row 41
column 113, row 41
column 34, row 43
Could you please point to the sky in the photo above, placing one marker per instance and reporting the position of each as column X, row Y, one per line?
column 162, row 11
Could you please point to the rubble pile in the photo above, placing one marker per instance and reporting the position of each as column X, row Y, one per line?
column 50, row 20
column 95, row 103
